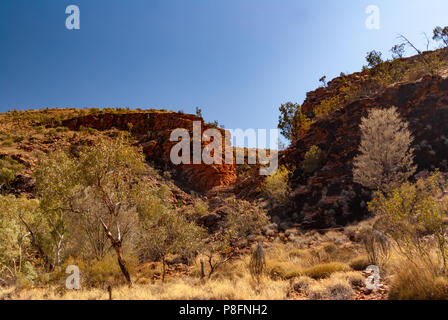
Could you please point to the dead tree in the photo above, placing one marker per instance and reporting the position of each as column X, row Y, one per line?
column 48, row 265
column 113, row 210
column 419, row 52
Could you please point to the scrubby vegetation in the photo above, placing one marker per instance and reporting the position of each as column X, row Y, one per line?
column 386, row 156
column 10, row 168
column 287, row 120
column 102, row 208
column 274, row 270
column 276, row 186
column 413, row 218
column 313, row 160
column 99, row 207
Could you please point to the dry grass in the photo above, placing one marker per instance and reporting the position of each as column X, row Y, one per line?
column 355, row 278
column 325, row 270
column 417, row 282
column 189, row 289
column 302, row 284
column 315, row 268
column 339, row 286
column 289, row 268
column 330, row 289
column 359, row 263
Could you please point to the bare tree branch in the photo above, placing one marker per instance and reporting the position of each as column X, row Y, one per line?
column 409, row 43
column 34, row 242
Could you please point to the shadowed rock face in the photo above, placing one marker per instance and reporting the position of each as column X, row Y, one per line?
column 153, row 131
column 328, row 197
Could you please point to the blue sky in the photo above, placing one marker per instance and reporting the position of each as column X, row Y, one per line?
column 236, row 59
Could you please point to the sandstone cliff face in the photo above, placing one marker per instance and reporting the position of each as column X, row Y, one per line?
column 328, row 197
column 153, row 132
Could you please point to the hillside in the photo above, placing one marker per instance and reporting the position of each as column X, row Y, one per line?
column 329, row 197
column 200, row 226
column 149, row 130
column 324, row 198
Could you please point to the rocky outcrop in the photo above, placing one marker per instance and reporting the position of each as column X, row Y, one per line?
column 328, row 197
column 153, row 130
column 362, row 81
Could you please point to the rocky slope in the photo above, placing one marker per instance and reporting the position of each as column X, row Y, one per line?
column 25, row 135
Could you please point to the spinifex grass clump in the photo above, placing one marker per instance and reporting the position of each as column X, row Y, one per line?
column 257, row 262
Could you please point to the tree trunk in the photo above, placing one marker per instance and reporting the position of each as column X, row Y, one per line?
column 164, row 270
column 116, row 244
column 58, row 250
column 49, row 266
column 122, row 264
column 202, row 269
column 109, row 289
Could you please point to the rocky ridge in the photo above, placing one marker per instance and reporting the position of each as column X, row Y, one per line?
column 328, row 197
column 153, row 130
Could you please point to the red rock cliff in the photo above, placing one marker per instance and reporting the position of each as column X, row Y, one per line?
column 329, row 197
column 153, row 131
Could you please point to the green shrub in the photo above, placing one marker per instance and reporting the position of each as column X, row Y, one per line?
column 276, row 187
column 413, row 217
column 16, row 248
column 286, row 119
column 7, row 175
column 18, row 139
column 7, row 143
column 313, row 160
column 374, row 59
column 164, row 192
column 200, row 208
column 243, row 171
column 52, row 132
column 106, row 270
column 62, row 129
column 27, row 276
column 303, row 123
column 328, row 106
column 244, row 218
column 388, row 72
column 9, row 168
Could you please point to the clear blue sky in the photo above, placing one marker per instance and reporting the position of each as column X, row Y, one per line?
column 236, row 59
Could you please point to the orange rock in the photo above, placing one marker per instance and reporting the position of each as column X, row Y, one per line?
column 153, row 131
